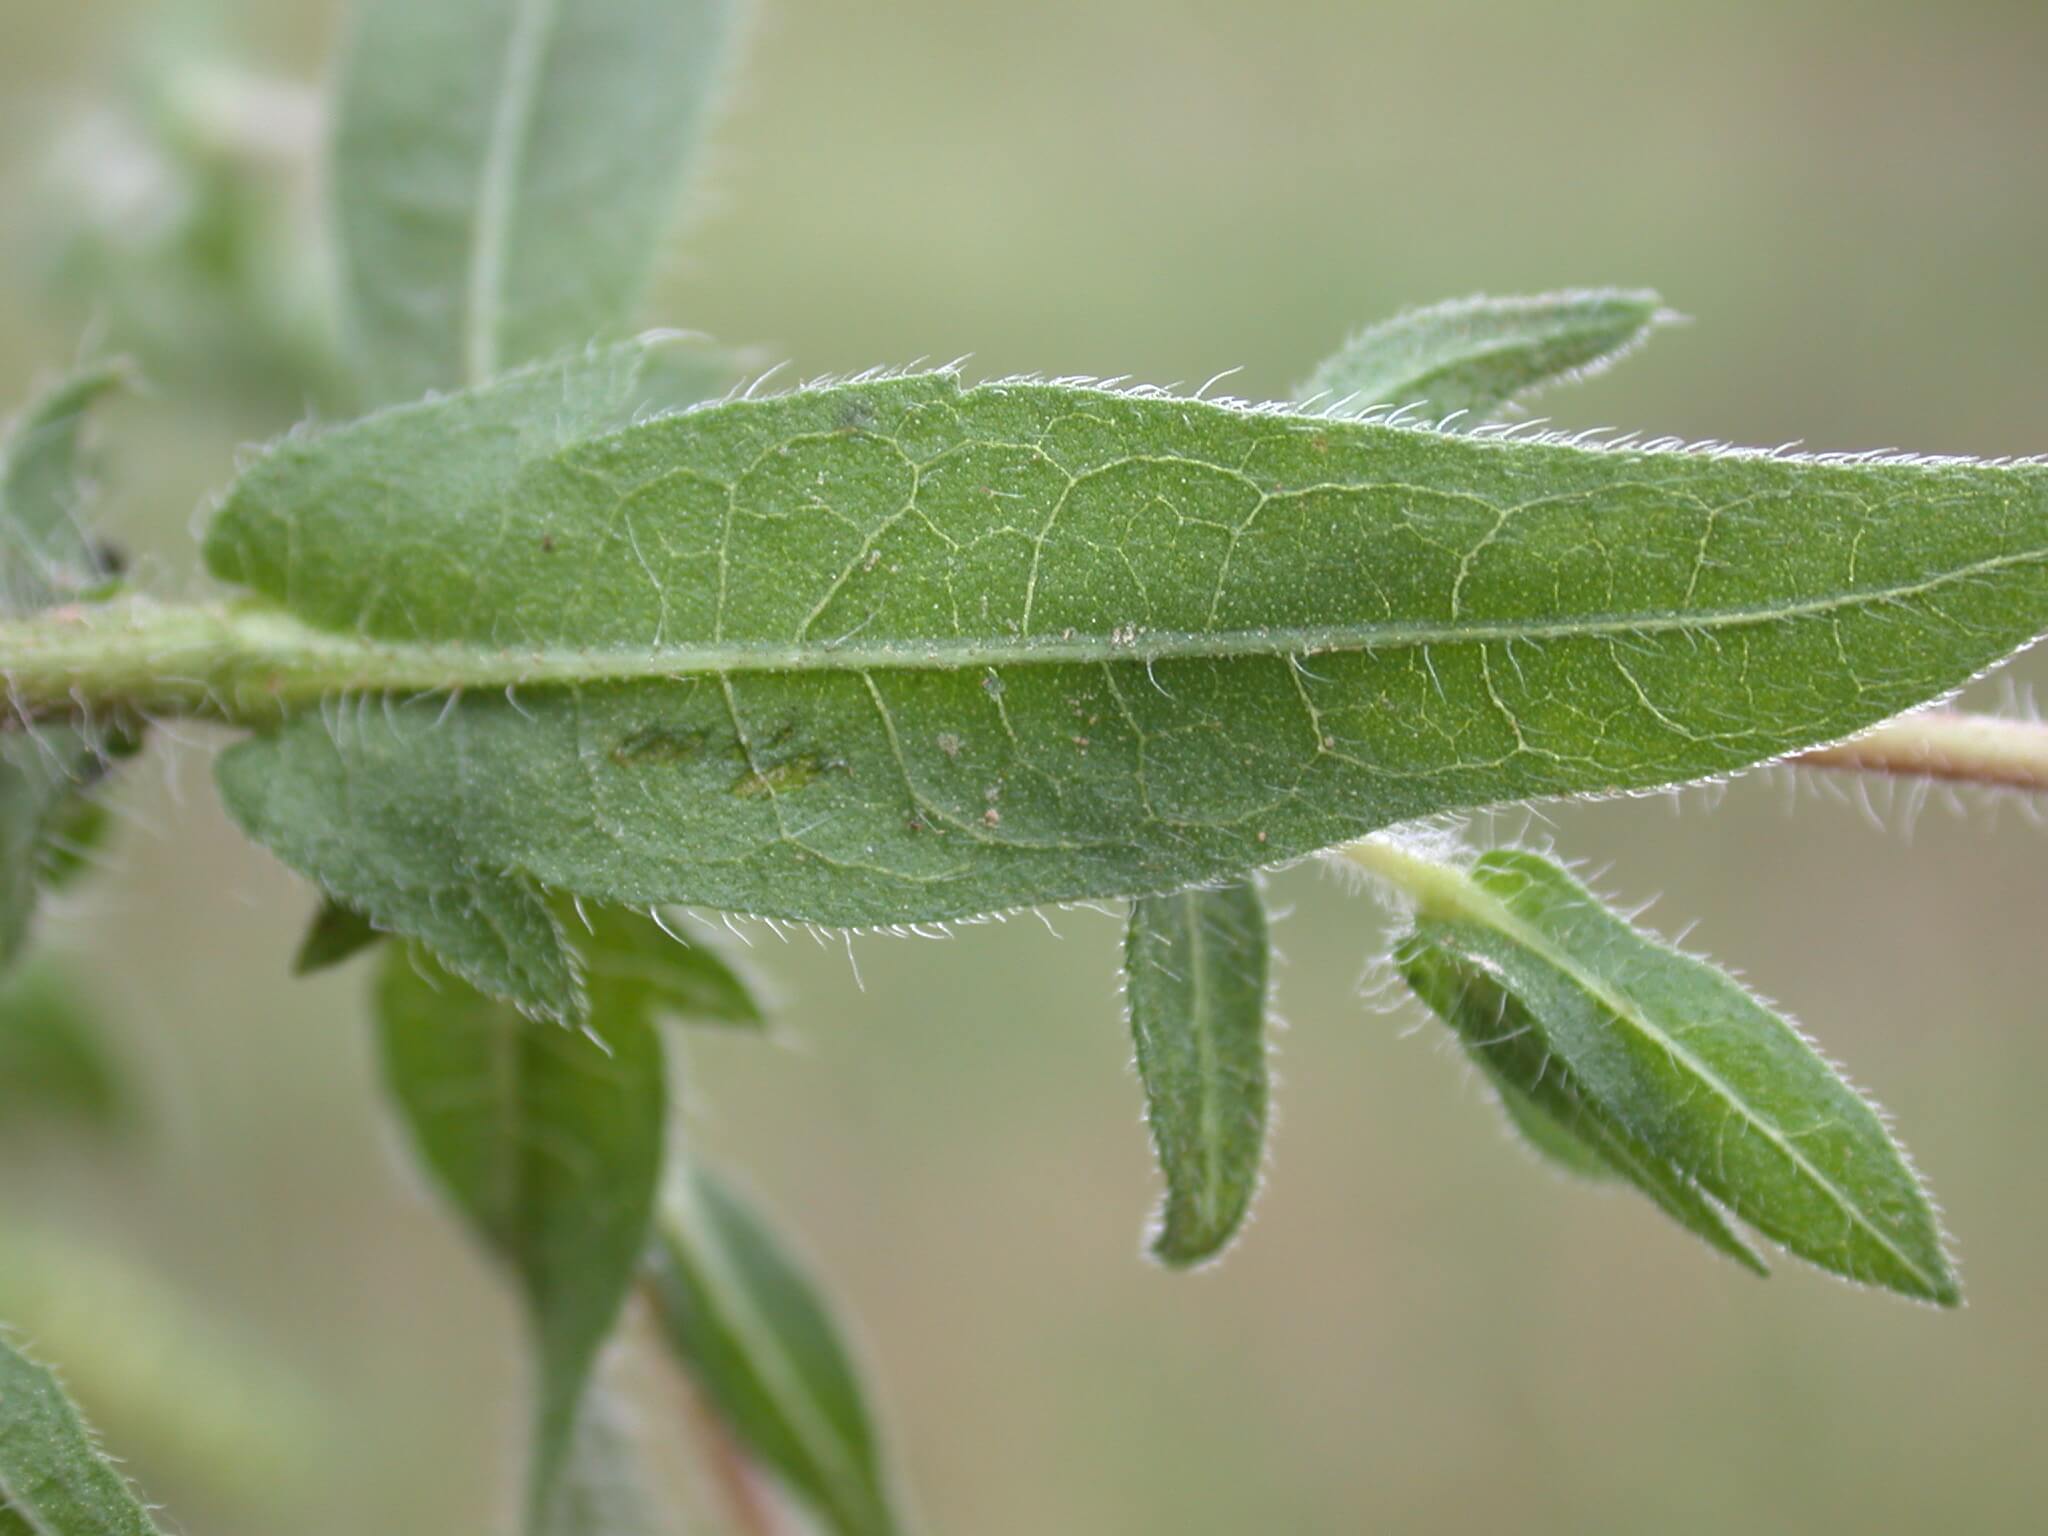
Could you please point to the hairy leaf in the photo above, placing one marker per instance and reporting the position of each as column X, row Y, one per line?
column 898, row 651
column 53, row 1480
column 337, row 933
column 46, row 556
column 414, row 874
column 1689, row 1065
column 504, row 171
column 1195, row 968
column 1471, row 357
column 549, row 1142
column 757, row 1340
column 1544, row 1100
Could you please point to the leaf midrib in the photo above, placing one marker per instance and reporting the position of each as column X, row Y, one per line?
column 297, row 656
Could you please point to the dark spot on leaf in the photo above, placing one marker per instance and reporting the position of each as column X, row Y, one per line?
column 661, row 744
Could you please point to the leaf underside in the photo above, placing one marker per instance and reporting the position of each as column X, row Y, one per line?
column 1195, row 968
column 900, row 651
column 1673, row 1071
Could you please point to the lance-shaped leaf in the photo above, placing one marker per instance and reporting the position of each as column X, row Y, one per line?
column 757, row 1340
column 46, row 556
column 1544, row 1101
column 504, row 171
column 1471, row 357
column 900, row 651
column 53, row 1479
column 549, row 1142
column 1195, row 979
column 1693, row 1069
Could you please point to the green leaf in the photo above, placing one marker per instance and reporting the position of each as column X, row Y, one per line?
column 1472, row 357
column 53, row 1059
column 1546, row 1103
column 1195, row 968
column 504, row 171
column 758, row 1341
column 46, row 556
column 636, row 967
column 549, row 1142
column 417, row 877
column 897, row 651
column 1683, row 1061
column 337, row 933
column 53, row 1479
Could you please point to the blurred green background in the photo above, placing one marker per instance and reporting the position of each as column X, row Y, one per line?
column 1423, row 1330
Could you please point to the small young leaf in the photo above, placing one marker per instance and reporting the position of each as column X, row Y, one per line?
column 1195, row 968
column 53, row 1479
column 757, row 1340
column 1693, row 1069
column 337, row 933
column 549, row 1142
column 635, row 967
column 1546, row 1103
column 504, row 171
column 898, row 651
column 53, row 1060
column 1474, row 356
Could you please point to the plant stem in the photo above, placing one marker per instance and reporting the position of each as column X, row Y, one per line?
column 1948, row 745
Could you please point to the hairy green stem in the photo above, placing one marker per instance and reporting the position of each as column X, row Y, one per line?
column 248, row 664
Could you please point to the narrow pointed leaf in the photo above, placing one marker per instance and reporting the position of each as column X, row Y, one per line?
column 504, row 172
column 756, row 1338
column 1195, row 974
column 899, row 651
column 337, row 933
column 1546, row 1103
column 46, row 556
column 1472, row 357
column 54, row 1481
column 549, row 1142
column 1698, row 1071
